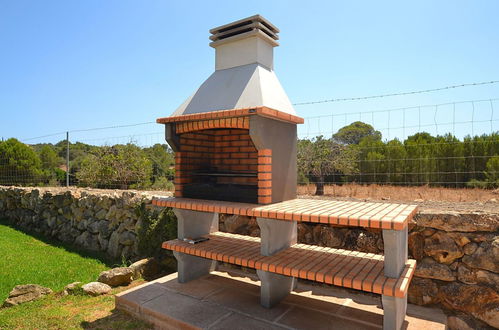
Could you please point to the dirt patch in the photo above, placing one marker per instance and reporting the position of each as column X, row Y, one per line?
column 445, row 199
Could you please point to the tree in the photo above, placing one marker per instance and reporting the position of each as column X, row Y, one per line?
column 372, row 160
column 421, row 165
column 119, row 166
column 323, row 157
column 449, row 163
column 52, row 175
column 355, row 132
column 78, row 153
column 162, row 161
column 492, row 172
column 396, row 155
column 49, row 158
column 19, row 164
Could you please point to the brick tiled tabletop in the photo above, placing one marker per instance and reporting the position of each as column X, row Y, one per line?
column 362, row 214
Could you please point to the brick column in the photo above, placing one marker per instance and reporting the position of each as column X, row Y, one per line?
column 265, row 176
column 178, row 174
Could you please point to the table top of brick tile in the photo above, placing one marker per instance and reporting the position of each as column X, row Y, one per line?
column 361, row 214
column 351, row 269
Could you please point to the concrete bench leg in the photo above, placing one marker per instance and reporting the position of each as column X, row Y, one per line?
column 394, row 309
column 194, row 224
column 192, row 267
column 276, row 235
column 274, row 287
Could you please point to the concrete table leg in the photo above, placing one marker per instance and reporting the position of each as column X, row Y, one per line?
column 395, row 242
column 194, row 224
column 274, row 287
column 192, row 267
column 394, row 310
column 276, row 235
column 395, row 251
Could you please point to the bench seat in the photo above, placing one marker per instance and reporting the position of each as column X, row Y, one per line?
column 350, row 269
column 343, row 213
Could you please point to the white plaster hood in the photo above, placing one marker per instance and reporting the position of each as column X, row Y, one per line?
column 244, row 76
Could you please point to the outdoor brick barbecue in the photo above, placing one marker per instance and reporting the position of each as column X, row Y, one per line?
column 244, row 155
column 235, row 141
column 235, row 137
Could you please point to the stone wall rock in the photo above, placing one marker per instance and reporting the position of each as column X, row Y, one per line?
column 429, row 268
column 486, row 256
column 442, row 248
column 458, row 221
column 423, row 291
column 481, row 302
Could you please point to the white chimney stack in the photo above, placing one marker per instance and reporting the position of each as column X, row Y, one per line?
column 250, row 40
column 244, row 76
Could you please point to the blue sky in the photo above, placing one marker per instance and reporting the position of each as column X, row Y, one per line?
column 68, row 65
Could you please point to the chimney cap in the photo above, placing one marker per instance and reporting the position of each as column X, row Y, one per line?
column 243, row 28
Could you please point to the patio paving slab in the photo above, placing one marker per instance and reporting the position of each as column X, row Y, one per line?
column 230, row 300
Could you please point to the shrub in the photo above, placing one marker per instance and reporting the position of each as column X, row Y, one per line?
column 492, row 171
column 473, row 183
column 156, row 227
column 162, row 183
column 19, row 164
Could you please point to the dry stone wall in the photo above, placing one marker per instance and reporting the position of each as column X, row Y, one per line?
column 457, row 252
column 105, row 221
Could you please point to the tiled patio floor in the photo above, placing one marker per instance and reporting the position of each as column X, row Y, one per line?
column 231, row 301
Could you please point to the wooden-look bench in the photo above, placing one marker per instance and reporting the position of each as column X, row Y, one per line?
column 361, row 214
column 279, row 260
column 350, row 269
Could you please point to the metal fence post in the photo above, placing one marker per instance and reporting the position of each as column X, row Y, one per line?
column 67, row 159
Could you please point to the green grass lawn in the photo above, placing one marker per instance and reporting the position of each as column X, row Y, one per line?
column 31, row 259
column 25, row 259
column 70, row 312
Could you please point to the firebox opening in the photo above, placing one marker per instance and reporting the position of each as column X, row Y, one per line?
column 219, row 164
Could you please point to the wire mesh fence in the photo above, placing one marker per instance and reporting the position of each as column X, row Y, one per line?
column 449, row 145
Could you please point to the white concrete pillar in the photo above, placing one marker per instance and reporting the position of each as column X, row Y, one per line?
column 396, row 251
column 394, row 310
column 194, row 224
column 274, row 287
column 276, row 235
column 192, row 267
